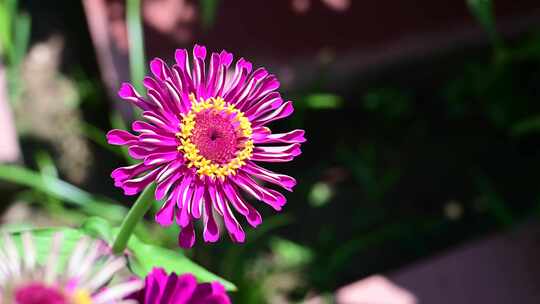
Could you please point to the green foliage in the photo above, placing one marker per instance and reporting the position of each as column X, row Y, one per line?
column 290, row 254
column 209, row 10
column 320, row 194
column 482, row 10
column 137, row 61
column 390, row 103
column 14, row 39
column 145, row 257
column 322, row 101
column 62, row 190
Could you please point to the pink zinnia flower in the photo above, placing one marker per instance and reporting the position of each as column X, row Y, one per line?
column 204, row 132
column 83, row 278
column 161, row 288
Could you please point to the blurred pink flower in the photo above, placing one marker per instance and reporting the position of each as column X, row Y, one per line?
column 85, row 277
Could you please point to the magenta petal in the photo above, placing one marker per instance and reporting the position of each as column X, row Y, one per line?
column 254, row 218
column 186, row 238
column 211, row 230
column 183, row 200
column 136, row 185
column 273, row 198
column 127, row 92
column 159, row 69
column 163, row 187
column 124, row 173
column 270, row 102
column 282, row 180
column 160, row 158
column 196, row 203
column 120, row 137
column 165, row 215
column 283, row 111
column 296, row 136
column 231, row 224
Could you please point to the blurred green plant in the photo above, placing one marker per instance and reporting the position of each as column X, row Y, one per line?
column 137, row 61
column 322, row 101
column 145, row 256
column 482, row 10
column 209, row 10
column 365, row 168
column 390, row 103
column 62, row 190
column 14, row 39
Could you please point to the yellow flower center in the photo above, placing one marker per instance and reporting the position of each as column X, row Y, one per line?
column 192, row 152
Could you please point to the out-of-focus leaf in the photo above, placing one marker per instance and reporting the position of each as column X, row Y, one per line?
column 145, row 257
column 482, row 10
column 45, row 164
column 208, row 12
column 63, row 191
column 526, row 126
column 99, row 228
column 390, row 103
column 137, row 62
column 323, row 101
column 21, row 37
column 289, row 253
column 5, row 28
column 43, row 239
column 320, row 194
column 494, row 203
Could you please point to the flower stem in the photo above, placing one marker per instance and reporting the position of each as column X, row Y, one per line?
column 135, row 214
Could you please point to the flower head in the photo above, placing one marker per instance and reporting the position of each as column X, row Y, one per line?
column 82, row 281
column 161, row 288
column 204, row 131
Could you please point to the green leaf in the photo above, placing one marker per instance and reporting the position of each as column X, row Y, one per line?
column 322, row 101
column 290, row 254
column 62, row 190
column 482, row 10
column 99, row 228
column 526, row 126
column 320, row 194
column 21, row 38
column 208, row 12
column 5, row 29
column 145, row 257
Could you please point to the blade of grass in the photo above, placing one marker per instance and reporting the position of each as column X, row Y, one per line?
column 482, row 10
column 64, row 191
column 5, row 29
column 21, row 37
column 136, row 43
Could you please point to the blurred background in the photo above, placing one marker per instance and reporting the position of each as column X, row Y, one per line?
column 419, row 180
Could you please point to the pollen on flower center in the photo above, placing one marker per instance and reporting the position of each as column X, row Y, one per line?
column 215, row 137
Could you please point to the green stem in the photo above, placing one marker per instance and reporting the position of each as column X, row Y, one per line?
column 136, row 43
column 135, row 214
